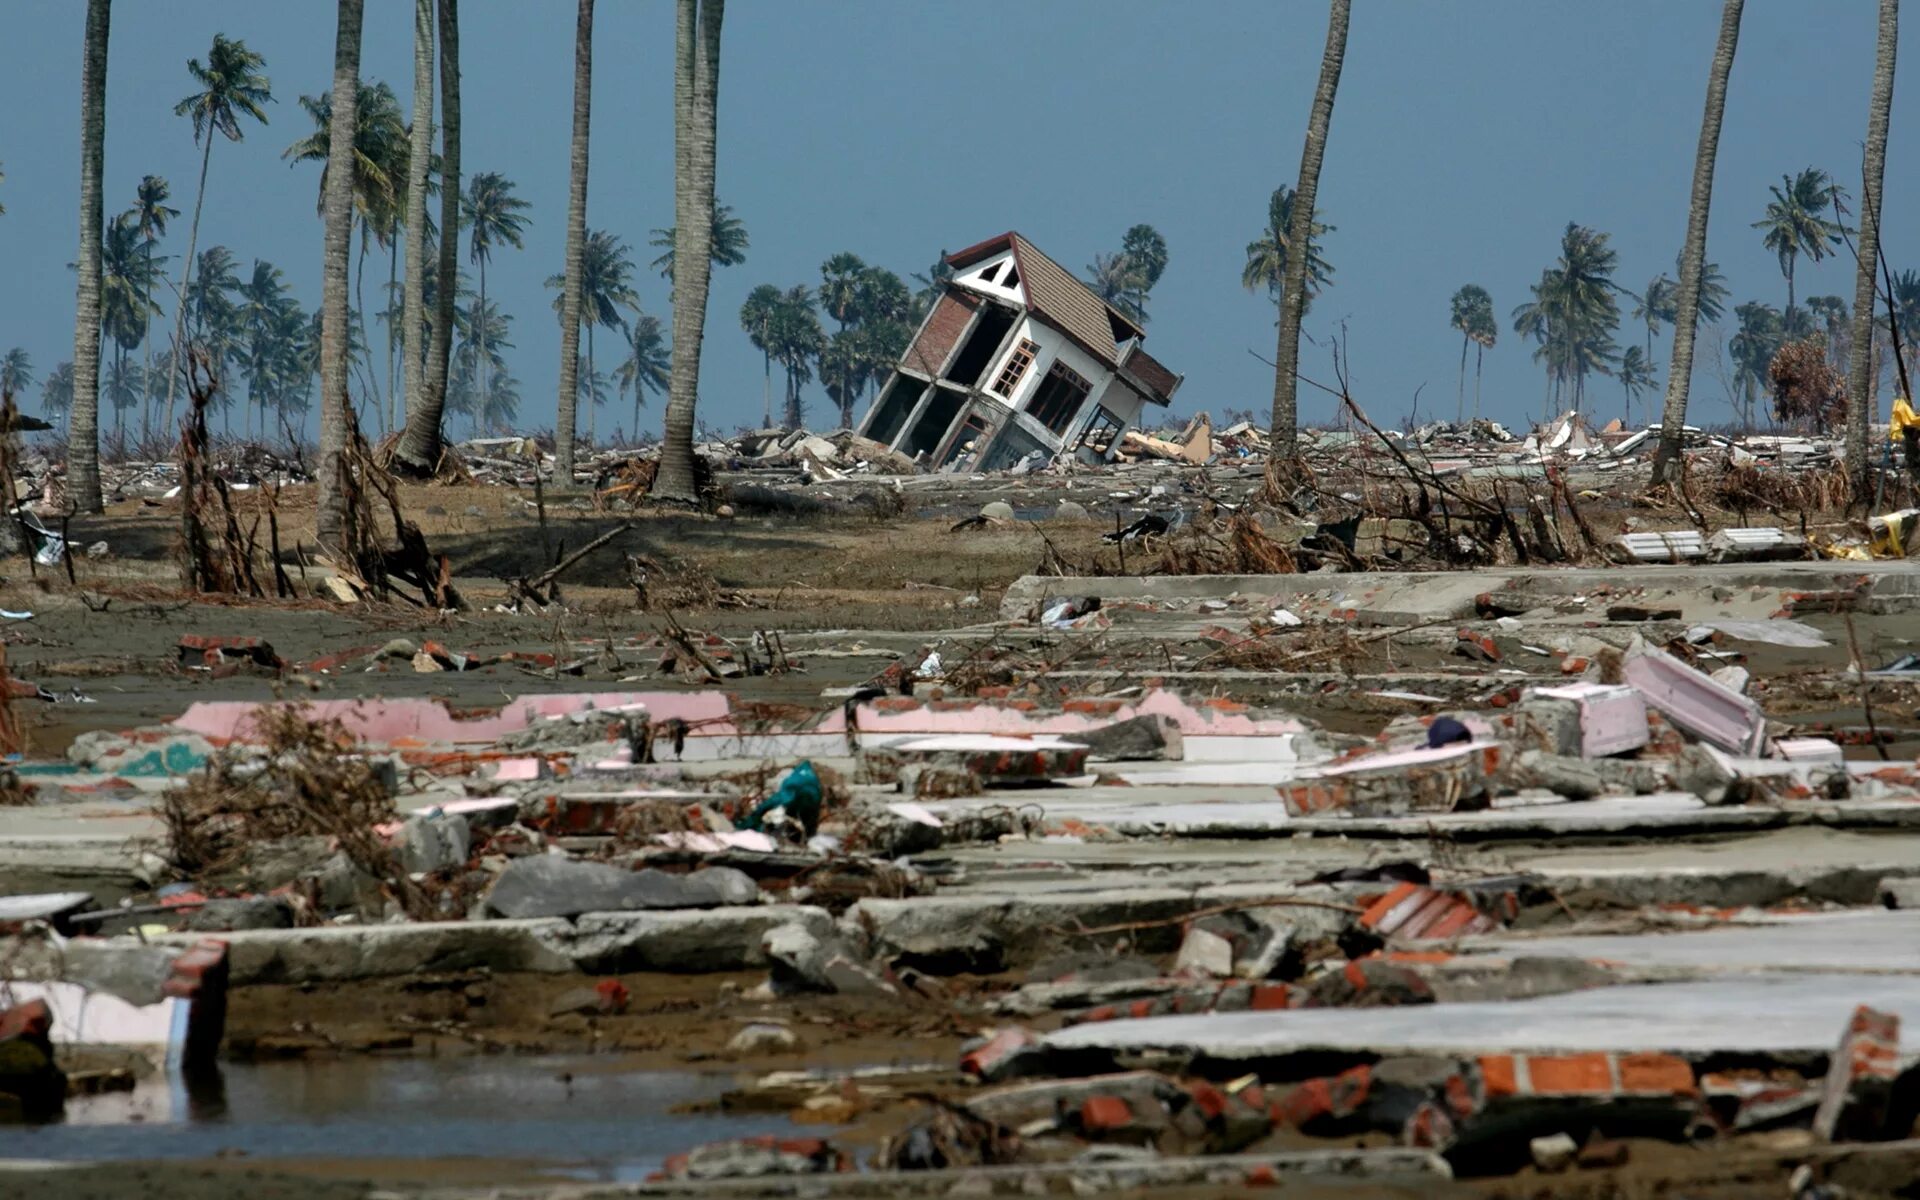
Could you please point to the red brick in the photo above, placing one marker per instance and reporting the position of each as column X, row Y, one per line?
column 1101, row 1113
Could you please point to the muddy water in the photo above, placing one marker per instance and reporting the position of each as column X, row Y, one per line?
column 576, row 1116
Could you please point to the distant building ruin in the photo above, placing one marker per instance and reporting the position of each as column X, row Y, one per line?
column 1016, row 356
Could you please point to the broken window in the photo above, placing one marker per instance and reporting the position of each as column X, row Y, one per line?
column 1096, row 440
column 1013, row 276
column 987, row 276
column 1013, row 444
column 989, row 330
column 895, row 406
column 942, row 407
column 1058, row 398
column 1016, row 368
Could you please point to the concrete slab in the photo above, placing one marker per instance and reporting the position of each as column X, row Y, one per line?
column 1767, row 1014
column 1871, row 941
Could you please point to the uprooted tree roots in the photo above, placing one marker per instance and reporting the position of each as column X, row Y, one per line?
column 297, row 778
column 216, row 555
column 373, row 561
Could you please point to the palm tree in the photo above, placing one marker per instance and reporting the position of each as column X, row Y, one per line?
column 83, row 429
column 648, row 366
column 696, row 91
column 730, row 242
column 151, row 214
column 262, row 300
column 479, row 356
column 839, row 295
column 1713, row 293
column 933, row 282
column 1860, row 373
column 1573, row 313
column 1117, row 279
column 1267, row 255
column 797, row 340
column 1636, row 375
column 1469, row 305
column 1831, row 311
column 568, row 398
column 756, row 315
column 494, row 216
column 1752, row 349
column 16, row 372
column 1693, row 254
column 380, row 151
column 1905, row 305
column 1147, row 251
column 1796, row 221
column 1484, row 332
column 334, row 516
column 605, row 280
column 420, row 445
column 126, row 282
column 414, row 332
column 56, row 394
column 1654, row 306
column 231, row 87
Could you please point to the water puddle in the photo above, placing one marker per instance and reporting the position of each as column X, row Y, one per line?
column 577, row 1115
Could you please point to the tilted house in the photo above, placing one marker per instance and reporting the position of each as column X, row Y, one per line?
column 1017, row 355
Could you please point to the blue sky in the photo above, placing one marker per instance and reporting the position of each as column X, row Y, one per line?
column 1465, row 137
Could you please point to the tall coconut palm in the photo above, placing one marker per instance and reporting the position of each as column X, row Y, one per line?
column 16, row 372
column 1266, row 265
column 419, row 160
column 797, row 340
column 126, row 283
column 1469, row 303
column 568, row 396
column 756, row 317
column 1752, row 348
column 1796, row 221
column 696, row 90
column 150, row 215
column 606, row 287
column 421, row 443
column 83, row 427
column 1636, row 375
column 648, row 366
column 1118, row 280
column 1654, row 306
column 56, row 395
column 1293, row 289
column 1860, row 372
column 1693, row 254
column 494, row 216
column 333, row 519
column 483, row 330
column 1484, row 332
column 730, row 242
column 231, row 86
column 839, row 296
column 1573, row 313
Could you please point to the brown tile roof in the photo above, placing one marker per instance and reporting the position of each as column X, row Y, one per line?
column 1056, row 295
column 1146, row 369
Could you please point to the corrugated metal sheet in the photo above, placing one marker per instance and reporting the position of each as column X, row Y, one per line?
column 1664, row 547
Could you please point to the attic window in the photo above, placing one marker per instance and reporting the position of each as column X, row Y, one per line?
column 987, row 275
column 1013, row 276
column 1016, row 368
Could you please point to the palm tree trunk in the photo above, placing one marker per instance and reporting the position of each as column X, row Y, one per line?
column 393, row 383
column 485, row 356
column 1293, row 287
column 1479, row 357
column 420, row 444
column 336, row 410
column 696, row 89
column 1693, row 255
column 1861, row 375
column 593, row 396
column 566, row 417
column 1460, row 408
column 1789, row 273
column 146, row 351
column 360, row 316
column 83, row 415
column 766, row 385
column 419, row 159
column 186, row 279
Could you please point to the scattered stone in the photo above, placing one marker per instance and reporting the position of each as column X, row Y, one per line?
column 1150, row 737
column 763, row 1037
column 550, row 885
column 1553, row 1153
column 997, row 510
column 1070, row 510
column 1204, row 953
column 250, row 912
column 433, row 842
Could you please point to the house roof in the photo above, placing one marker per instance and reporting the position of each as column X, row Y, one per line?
column 1057, row 295
column 1144, row 368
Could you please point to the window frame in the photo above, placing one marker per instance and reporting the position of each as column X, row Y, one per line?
column 1019, row 362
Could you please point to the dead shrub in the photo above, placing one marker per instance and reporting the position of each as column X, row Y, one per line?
column 665, row 584
column 298, row 778
column 1804, row 490
column 1807, row 388
column 1239, row 547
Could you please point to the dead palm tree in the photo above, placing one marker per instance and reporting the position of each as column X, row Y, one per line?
column 1860, row 372
column 568, row 398
column 334, row 516
column 419, row 159
column 696, row 87
column 231, row 87
column 83, row 428
column 1693, row 255
column 419, row 449
column 1293, row 291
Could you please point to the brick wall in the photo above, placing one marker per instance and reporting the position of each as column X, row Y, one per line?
column 930, row 350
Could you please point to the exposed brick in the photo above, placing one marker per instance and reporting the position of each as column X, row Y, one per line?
column 1100, row 1114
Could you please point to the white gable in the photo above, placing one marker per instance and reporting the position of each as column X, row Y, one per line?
column 997, row 276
